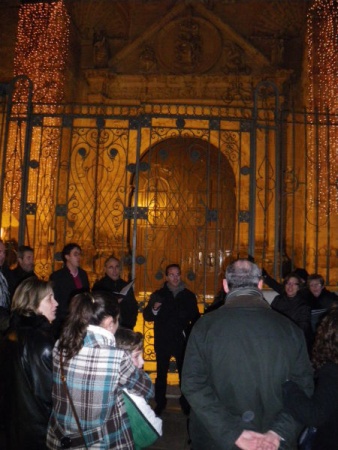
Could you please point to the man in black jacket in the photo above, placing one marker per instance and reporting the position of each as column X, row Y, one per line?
column 67, row 282
column 173, row 309
column 319, row 298
column 113, row 283
column 24, row 268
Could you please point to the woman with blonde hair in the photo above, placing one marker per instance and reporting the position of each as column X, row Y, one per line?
column 26, row 365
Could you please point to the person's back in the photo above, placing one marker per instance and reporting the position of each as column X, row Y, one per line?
column 236, row 361
column 256, row 352
column 95, row 372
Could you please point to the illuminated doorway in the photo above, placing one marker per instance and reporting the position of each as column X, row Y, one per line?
column 188, row 188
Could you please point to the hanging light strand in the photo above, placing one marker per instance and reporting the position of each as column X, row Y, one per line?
column 42, row 48
column 322, row 42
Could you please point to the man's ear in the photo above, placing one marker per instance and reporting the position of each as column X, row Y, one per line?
column 225, row 286
column 260, row 284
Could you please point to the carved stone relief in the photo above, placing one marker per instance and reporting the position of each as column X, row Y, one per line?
column 101, row 50
column 189, row 45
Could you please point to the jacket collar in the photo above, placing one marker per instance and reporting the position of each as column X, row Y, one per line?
column 245, row 297
column 97, row 330
column 177, row 289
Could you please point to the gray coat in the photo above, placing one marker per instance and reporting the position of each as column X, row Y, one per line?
column 236, row 361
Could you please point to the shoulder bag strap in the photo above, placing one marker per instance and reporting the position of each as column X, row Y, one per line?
column 63, row 379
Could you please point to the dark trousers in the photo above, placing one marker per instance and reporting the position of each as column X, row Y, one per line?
column 163, row 355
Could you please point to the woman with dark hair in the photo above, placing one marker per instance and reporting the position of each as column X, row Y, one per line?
column 292, row 304
column 90, row 374
column 26, row 366
column 320, row 411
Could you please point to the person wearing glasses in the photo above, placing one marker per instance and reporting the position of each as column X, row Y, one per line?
column 292, row 304
column 173, row 309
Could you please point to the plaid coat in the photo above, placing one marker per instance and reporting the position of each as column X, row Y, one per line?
column 95, row 379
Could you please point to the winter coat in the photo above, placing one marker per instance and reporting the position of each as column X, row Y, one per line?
column 95, row 378
column 128, row 305
column 236, row 361
column 173, row 322
column 26, row 381
column 319, row 411
column 64, row 289
column 295, row 308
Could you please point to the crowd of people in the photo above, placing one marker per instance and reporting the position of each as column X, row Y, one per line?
column 253, row 375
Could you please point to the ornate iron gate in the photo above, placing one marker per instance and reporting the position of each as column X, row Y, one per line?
column 155, row 184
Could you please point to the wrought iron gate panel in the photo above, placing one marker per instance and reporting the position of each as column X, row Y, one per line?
column 156, row 183
column 91, row 211
column 308, row 229
column 15, row 139
column 181, row 189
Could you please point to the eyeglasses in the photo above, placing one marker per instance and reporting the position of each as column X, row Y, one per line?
column 174, row 275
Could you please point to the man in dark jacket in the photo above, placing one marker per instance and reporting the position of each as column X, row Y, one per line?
column 319, row 298
column 173, row 309
column 236, row 361
column 113, row 283
column 67, row 282
column 24, row 268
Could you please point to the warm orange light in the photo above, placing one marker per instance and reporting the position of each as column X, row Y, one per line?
column 42, row 48
column 322, row 40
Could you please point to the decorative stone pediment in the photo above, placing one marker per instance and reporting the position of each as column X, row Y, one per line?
column 188, row 54
column 189, row 40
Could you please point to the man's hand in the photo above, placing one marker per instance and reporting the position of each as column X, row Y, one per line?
column 251, row 440
column 273, row 438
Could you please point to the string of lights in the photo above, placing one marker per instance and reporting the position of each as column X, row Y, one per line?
column 41, row 54
column 42, row 48
column 322, row 44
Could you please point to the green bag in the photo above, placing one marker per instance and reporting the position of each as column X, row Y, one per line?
column 144, row 434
